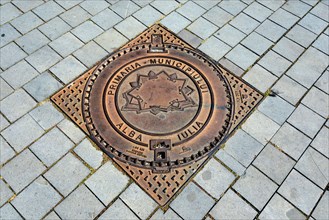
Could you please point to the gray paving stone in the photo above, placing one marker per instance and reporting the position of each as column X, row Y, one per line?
column 93, row 7
column 271, row 30
column 5, row 192
column 260, row 78
column 214, row 178
column 326, row 32
column 26, row 22
column 130, row 27
column 8, row 34
column 75, row 16
column 322, row 43
column 118, row 210
column 148, row 15
column 231, row 66
column 42, row 86
column 226, row 208
column 207, row 4
column 27, row 5
column 230, row 35
column 87, row 31
column 284, row 18
column 81, row 204
column 90, row 54
column 141, row 3
column 71, row 130
column 233, row 7
column 43, row 58
column 218, row 16
column 169, row 214
column 165, row 7
column 288, row 49
column 106, row 19
column 214, row 48
column 52, row 216
column 11, row 13
column 39, row 192
column 242, row 61
column 32, row 41
column 6, row 152
column 229, row 161
column 301, row 36
column 66, row 44
column 54, row 28
column 192, row 203
column 279, row 208
column 3, row 121
column 244, row 23
column 138, row 201
column 13, row 55
column 89, row 153
column 67, row 4
column 124, row 8
column 313, row 23
column 5, row 89
column 68, row 168
column 273, row 5
column 257, row 43
column 48, row 10
column 191, row 10
column 294, row 188
column 202, row 28
column 274, row 63
column 111, row 40
column 321, row 10
column 297, row 8
column 52, row 146
column 8, row 212
column 255, row 187
column 321, row 141
column 318, row 101
column 190, row 38
column 22, row 170
column 322, row 209
column 257, row 11
column 289, row 89
column 175, row 22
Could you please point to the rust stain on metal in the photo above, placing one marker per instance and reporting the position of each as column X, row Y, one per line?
column 159, row 108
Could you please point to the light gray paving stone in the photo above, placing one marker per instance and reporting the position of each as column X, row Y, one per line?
column 271, row 30
column 230, row 35
column 288, row 49
column 274, row 63
column 5, row 89
column 52, row 146
column 8, row 34
column 326, row 32
column 275, row 164
column 279, row 208
column 321, row 141
column 318, row 101
column 214, row 178
column 294, row 188
column 13, row 55
column 8, row 12
column 52, row 216
column 5, row 192
column 26, row 22
column 257, row 11
column 130, row 27
column 75, row 16
column 81, row 204
column 313, row 23
column 54, row 28
column 111, row 40
column 207, row 4
column 231, row 66
column 22, row 170
column 148, row 15
column 192, row 203
column 202, row 28
column 297, row 8
column 169, row 214
column 260, row 78
column 6, row 152
column 175, row 22
column 3, row 121
column 244, row 23
column 8, row 212
column 306, row 120
column 71, row 130
column 289, row 89
column 66, row 44
column 165, row 7
column 233, row 7
column 301, row 36
column 89, row 153
column 106, row 19
column 276, row 109
column 43, row 58
column 42, row 193
column 141, row 3
column 257, row 43
column 68, row 69
column 67, row 4
column 48, row 10
column 191, row 10
column 124, row 8
column 90, row 54
column 322, row 43
column 322, row 209
column 42, row 86
column 255, row 187
column 27, row 5
column 321, row 10
column 20, row 101
column 314, row 166
column 68, row 168
column 229, row 161
column 93, row 7
column 273, row 5
column 284, row 18
column 312, row 2
column 242, row 61
column 218, row 16
column 87, row 31
column 226, row 208
column 190, row 38
column 32, row 41
column 214, row 48
column 118, row 210
column 138, row 201
column 108, row 182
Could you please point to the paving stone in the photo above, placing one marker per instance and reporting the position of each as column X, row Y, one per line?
column 75, row 16
column 214, row 178
column 255, row 187
column 226, row 208
column 26, row 22
column 294, row 188
column 257, row 43
column 175, row 22
column 273, row 5
column 326, row 32
column 81, row 204
column 42, row 86
column 321, row 10
column 32, row 41
column 284, row 18
column 93, row 7
column 52, row 216
column 67, row 4
column 43, row 58
column 54, row 28
column 66, row 44
column 27, row 5
column 202, row 28
column 3, row 121
column 39, row 192
column 244, row 23
column 6, row 152
column 124, row 8
column 288, row 49
column 274, row 63
column 148, row 15
column 297, row 8
column 48, row 10
column 229, row 161
column 130, row 27
column 106, row 19
column 190, row 38
column 207, row 4
column 233, row 7
column 192, row 203
column 138, row 201
column 72, row 131
column 87, row 31
column 318, row 101
column 11, row 13
column 8, row 34
column 322, row 43
column 242, row 61
column 118, row 210
column 13, row 55
column 90, row 54
column 141, row 3
column 257, row 11
column 22, row 170
column 271, row 30
column 214, row 48
column 231, row 66
column 218, row 16
column 5, row 89
column 301, row 36
column 8, row 212
column 321, row 141
column 279, row 208
column 111, row 40
column 191, row 10
column 5, row 192
column 322, row 209
column 313, row 23
column 260, row 78
column 169, row 214
column 68, row 168
column 165, row 7
column 230, row 35
column 89, row 153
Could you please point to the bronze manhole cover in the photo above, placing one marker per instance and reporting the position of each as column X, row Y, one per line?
column 159, row 108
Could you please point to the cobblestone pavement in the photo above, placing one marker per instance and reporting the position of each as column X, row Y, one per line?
column 274, row 167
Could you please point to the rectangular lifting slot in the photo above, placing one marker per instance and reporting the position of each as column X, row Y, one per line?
column 157, row 44
column 160, row 148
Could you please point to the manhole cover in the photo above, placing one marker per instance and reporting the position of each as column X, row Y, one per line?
column 159, row 108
